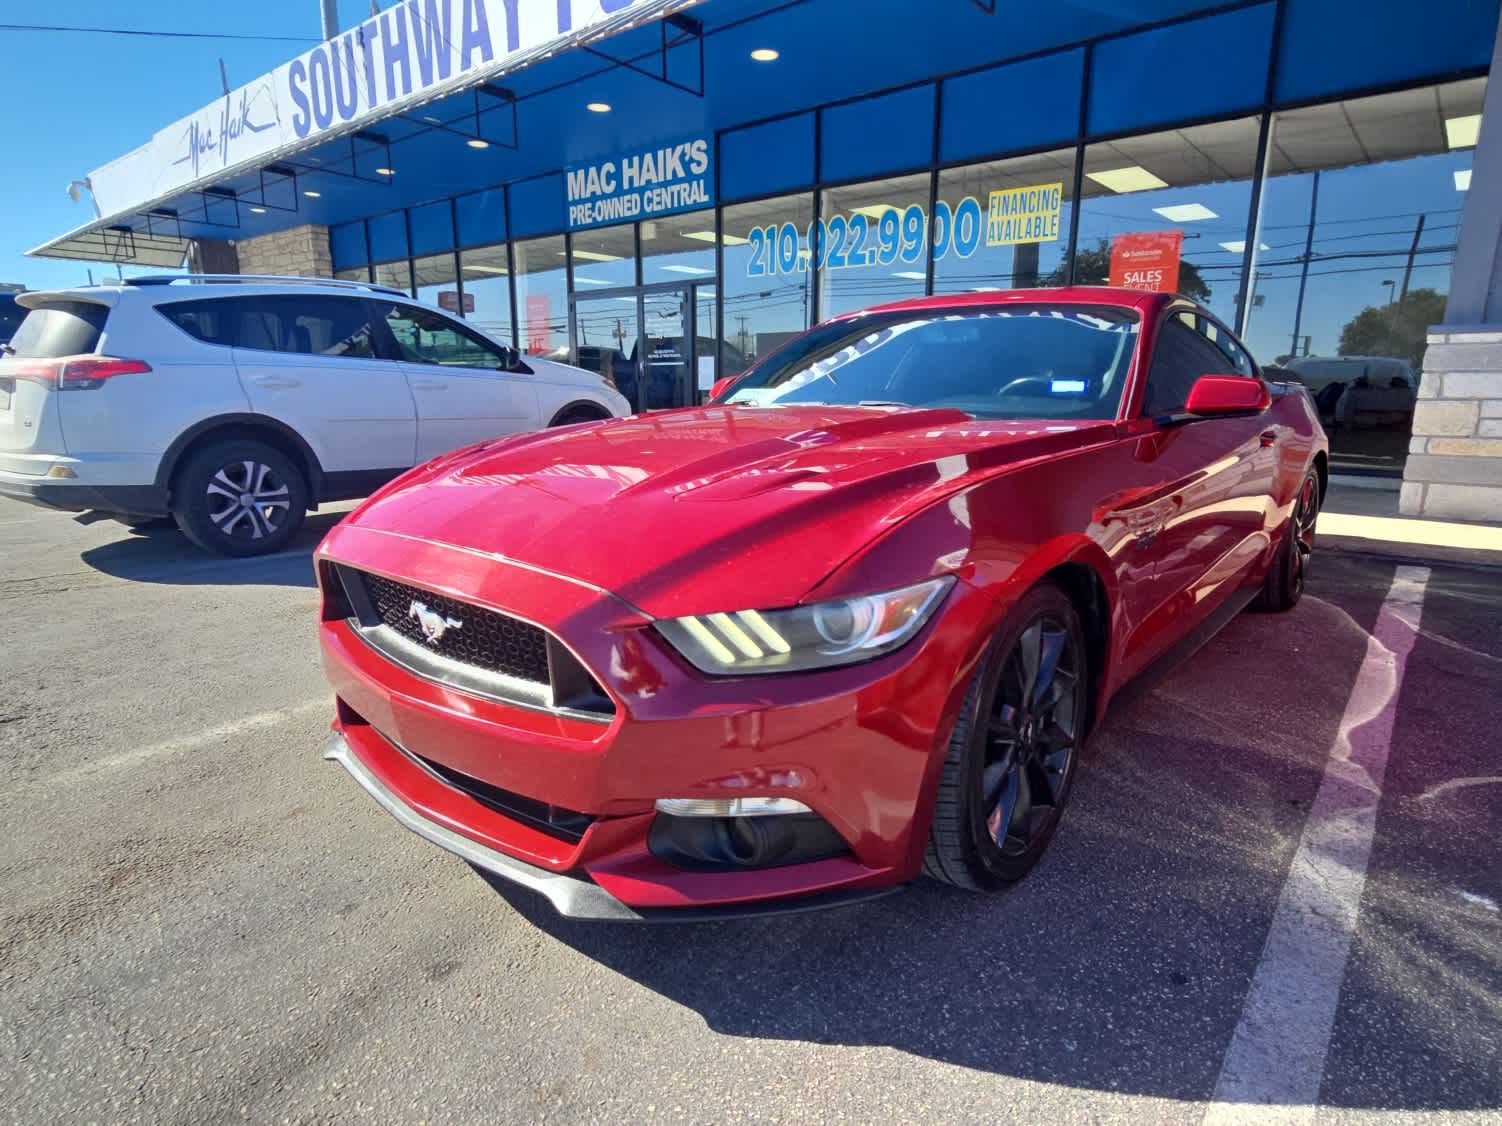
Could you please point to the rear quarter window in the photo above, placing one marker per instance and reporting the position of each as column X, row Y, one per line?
column 60, row 328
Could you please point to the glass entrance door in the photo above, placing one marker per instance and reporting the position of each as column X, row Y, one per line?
column 646, row 340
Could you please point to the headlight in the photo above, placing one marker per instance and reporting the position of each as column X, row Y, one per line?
column 818, row 636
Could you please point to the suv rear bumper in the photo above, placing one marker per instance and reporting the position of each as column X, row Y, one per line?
column 80, row 496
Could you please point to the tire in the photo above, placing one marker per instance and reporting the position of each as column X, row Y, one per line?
column 572, row 415
column 216, row 507
column 1283, row 585
column 991, row 822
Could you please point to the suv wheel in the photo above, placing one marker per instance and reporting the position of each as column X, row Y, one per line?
column 240, row 497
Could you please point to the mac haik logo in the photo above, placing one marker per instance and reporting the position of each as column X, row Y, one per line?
column 204, row 138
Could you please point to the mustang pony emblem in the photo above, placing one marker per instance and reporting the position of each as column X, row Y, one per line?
column 434, row 625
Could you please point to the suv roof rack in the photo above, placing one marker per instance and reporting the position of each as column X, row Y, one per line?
column 261, row 279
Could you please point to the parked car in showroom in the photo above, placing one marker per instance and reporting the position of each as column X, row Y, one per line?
column 850, row 622
column 235, row 404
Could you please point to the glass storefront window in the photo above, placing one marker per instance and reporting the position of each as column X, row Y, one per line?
column 1168, row 211
column 541, row 294
column 1023, row 236
column 604, row 259
column 436, row 280
column 486, row 271
column 354, row 273
column 1361, row 212
column 874, row 244
column 679, row 248
column 397, row 275
column 766, row 297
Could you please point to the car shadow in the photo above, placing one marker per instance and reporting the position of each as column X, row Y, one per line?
column 164, row 555
column 1122, row 962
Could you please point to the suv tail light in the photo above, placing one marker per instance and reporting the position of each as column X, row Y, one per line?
column 75, row 373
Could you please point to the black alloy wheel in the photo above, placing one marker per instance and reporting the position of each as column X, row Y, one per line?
column 1012, row 756
column 1284, row 584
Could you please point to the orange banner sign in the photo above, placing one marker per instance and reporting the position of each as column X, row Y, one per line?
column 1147, row 260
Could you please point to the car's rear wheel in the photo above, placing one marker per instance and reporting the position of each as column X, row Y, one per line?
column 1283, row 585
column 1012, row 754
column 240, row 497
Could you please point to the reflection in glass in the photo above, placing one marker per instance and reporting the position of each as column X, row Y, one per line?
column 604, row 258
column 541, row 294
column 1168, row 211
column 874, row 239
column 765, row 305
column 397, row 275
column 1031, row 252
column 1361, row 212
column 486, row 271
column 436, row 280
column 678, row 248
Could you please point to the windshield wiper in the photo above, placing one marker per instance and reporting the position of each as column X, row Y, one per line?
column 881, row 403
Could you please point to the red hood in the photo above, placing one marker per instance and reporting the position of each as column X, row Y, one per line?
column 710, row 508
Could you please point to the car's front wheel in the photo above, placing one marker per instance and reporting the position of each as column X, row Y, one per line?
column 239, row 497
column 1012, row 754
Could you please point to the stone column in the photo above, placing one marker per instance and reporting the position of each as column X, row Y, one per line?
column 301, row 251
column 1454, row 468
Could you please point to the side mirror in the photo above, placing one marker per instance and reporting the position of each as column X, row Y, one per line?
column 1214, row 395
column 721, row 387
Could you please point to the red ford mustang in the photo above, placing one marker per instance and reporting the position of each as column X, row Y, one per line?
column 849, row 623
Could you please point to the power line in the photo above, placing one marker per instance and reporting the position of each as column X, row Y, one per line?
column 156, row 34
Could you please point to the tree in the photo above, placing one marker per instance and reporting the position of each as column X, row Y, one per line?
column 1400, row 329
column 1093, row 267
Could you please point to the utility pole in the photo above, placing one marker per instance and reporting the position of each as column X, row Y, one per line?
column 330, row 18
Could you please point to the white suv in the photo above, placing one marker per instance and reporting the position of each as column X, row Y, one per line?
column 235, row 404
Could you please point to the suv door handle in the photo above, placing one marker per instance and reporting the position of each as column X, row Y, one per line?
column 276, row 383
column 429, row 385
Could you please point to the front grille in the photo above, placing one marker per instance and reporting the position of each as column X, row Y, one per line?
column 468, row 647
column 482, row 638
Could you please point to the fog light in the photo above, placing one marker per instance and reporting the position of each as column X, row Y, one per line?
column 729, row 807
column 62, row 471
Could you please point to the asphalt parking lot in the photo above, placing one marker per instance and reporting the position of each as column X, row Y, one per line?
column 203, row 921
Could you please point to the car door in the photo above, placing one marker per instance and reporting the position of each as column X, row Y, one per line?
column 466, row 388
column 312, row 361
column 1210, row 482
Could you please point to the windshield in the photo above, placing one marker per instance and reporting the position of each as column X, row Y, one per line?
column 1035, row 361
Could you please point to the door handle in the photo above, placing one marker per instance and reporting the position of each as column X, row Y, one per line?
column 1268, row 438
column 276, row 383
column 429, row 385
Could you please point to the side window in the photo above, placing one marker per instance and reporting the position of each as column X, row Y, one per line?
column 425, row 337
column 1240, row 361
column 1181, row 356
column 312, row 325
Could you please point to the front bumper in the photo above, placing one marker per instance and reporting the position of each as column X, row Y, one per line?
column 860, row 746
column 573, row 897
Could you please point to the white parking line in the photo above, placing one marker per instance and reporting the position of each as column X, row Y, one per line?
column 1273, row 1067
column 201, row 739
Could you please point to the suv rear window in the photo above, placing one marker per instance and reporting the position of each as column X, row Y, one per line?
column 60, row 328
column 312, row 325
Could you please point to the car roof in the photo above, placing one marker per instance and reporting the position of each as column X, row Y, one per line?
column 154, row 289
column 1141, row 300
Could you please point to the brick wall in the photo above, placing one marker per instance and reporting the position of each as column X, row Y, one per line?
column 1454, row 469
column 302, row 251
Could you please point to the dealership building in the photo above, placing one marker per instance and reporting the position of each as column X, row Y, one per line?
column 674, row 187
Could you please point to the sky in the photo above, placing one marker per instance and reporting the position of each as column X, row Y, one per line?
column 74, row 102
